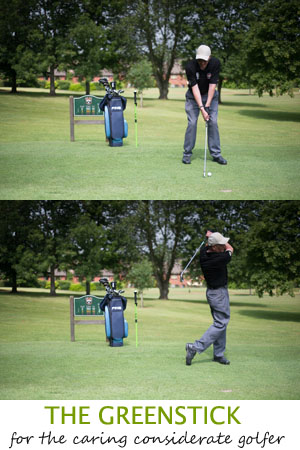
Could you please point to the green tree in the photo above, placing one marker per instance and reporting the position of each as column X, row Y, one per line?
column 16, row 225
column 271, row 48
column 17, row 33
column 156, row 230
column 90, row 248
column 88, row 49
column 273, row 246
column 159, row 30
column 53, row 47
column 222, row 25
column 140, row 76
column 53, row 249
column 141, row 277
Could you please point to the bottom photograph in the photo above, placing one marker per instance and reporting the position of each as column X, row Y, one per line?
column 149, row 300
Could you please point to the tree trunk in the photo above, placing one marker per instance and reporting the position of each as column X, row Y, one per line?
column 14, row 289
column 13, row 82
column 52, row 80
column 142, row 300
column 163, row 286
column 220, row 88
column 87, row 88
column 88, row 287
column 163, row 86
column 52, row 280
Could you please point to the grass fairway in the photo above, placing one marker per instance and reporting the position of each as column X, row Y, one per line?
column 259, row 137
column 38, row 361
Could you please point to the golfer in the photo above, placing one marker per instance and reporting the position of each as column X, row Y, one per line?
column 214, row 258
column 203, row 75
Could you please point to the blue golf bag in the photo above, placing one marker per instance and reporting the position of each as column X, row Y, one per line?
column 116, row 127
column 116, row 327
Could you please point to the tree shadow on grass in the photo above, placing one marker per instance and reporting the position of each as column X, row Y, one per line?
column 47, row 295
column 280, row 116
column 281, row 316
column 243, row 104
column 232, row 304
column 47, row 95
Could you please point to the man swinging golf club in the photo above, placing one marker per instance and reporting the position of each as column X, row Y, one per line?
column 202, row 74
column 214, row 258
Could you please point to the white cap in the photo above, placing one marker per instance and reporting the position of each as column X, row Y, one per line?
column 203, row 52
column 217, row 239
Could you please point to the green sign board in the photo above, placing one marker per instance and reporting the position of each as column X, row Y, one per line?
column 87, row 105
column 88, row 305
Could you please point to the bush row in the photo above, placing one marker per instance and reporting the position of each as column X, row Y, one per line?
column 66, row 85
column 66, row 285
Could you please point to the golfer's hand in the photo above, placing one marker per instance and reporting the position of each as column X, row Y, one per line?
column 208, row 233
column 205, row 115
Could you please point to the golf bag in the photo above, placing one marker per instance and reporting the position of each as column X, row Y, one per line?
column 116, row 327
column 116, row 127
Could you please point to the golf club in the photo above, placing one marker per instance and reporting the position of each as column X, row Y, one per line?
column 181, row 275
column 110, row 287
column 205, row 149
column 136, row 320
column 112, row 88
column 135, row 119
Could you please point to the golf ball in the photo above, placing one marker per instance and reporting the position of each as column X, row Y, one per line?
column 209, row 174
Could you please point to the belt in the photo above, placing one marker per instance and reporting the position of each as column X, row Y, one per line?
column 219, row 287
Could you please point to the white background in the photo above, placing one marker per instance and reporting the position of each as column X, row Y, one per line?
column 30, row 418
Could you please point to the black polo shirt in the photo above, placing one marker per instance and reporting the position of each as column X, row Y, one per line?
column 210, row 75
column 214, row 267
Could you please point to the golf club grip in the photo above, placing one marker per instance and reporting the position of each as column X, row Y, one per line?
column 135, row 298
column 135, row 101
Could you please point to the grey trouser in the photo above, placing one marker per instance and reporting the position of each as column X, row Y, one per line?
column 218, row 300
column 192, row 110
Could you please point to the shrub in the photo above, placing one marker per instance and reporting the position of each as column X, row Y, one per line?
column 94, row 86
column 48, row 284
column 47, row 84
column 64, row 284
column 30, row 282
column 42, row 83
column 28, row 82
column 77, row 287
column 93, row 286
column 77, row 87
column 42, row 283
column 63, row 84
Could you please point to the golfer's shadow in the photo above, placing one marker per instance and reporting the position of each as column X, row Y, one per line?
column 199, row 360
column 198, row 153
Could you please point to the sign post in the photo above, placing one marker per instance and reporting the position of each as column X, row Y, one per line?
column 86, row 306
column 85, row 106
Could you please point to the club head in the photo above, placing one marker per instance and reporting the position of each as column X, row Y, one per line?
column 104, row 281
column 104, row 81
column 181, row 277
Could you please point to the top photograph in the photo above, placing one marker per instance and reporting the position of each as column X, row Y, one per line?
column 149, row 100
